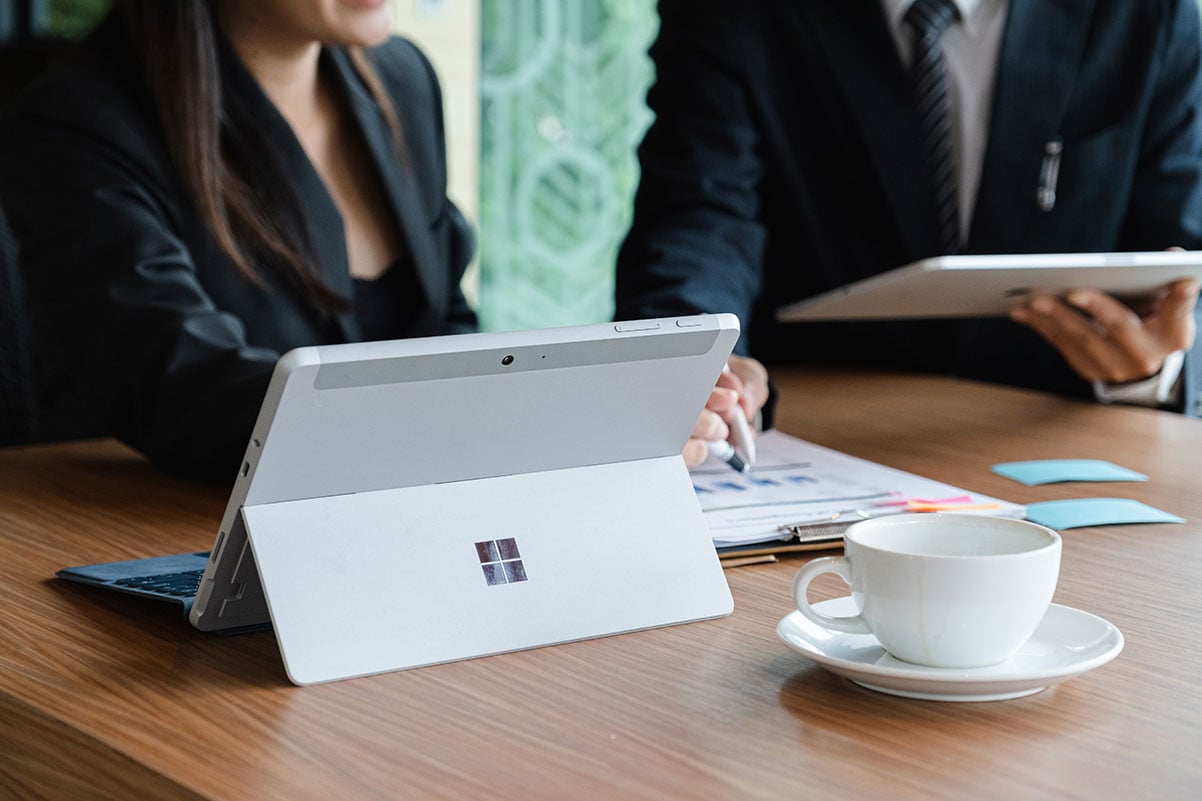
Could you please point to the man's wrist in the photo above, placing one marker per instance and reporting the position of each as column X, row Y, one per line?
column 1162, row 389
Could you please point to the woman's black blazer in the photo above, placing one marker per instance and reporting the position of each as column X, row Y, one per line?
column 143, row 329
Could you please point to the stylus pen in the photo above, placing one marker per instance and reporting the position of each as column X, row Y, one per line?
column 743, row 435
column 723, row 450
column 742, row 430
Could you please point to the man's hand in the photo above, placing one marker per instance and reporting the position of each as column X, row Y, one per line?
column 1103, row 339
column 741, row 390
column 753, row 377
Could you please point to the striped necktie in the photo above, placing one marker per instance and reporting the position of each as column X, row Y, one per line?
column 928, row 19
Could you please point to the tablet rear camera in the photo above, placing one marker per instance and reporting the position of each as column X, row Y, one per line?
column 507, row 360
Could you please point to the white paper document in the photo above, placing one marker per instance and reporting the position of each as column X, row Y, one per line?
column 798, row 489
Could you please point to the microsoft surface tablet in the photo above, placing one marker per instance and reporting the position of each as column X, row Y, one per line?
column 988, row 286
column 411, row 502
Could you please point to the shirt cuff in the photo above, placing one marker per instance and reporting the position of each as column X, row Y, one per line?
column 1162, row 389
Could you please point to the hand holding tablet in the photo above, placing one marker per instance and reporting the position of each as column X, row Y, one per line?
column 990, row 286
column 1105, row 340
column 1114, row 317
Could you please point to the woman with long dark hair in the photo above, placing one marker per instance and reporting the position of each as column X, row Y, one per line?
column 207, row 184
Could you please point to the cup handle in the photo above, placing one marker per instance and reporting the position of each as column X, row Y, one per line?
column 838, row 565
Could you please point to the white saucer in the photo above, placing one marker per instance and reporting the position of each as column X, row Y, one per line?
column 1067, row 643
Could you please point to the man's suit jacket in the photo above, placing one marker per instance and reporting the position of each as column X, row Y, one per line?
column 785, row 160
column 143, row 328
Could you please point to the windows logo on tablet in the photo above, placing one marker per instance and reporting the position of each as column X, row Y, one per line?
column 501, row 562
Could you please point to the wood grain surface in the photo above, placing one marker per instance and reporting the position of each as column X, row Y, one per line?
column 103, row 696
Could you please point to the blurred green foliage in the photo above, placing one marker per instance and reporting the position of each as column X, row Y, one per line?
column 72, row 19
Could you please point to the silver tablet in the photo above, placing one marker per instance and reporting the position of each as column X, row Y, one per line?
column 988, row 286
column 418, row 501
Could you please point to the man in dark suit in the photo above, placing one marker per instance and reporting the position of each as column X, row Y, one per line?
column 791, row 155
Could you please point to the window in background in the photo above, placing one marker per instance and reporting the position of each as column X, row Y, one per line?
column 33, row 33
column 72, row 19
column 563, row 90
column 12, row 21
column 49, row 19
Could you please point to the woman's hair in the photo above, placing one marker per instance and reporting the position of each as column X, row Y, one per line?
column 221, row 153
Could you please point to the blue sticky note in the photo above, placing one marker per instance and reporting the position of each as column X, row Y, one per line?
column 1049, row 471
column 1079, row 512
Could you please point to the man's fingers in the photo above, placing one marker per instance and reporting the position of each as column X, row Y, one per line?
column 711, row 426
column 695, row 451
column 754, row 378
column 1065, row 329
column 722, row 400
column 1103, row 339
column 728, row 380
column 1123, row 347
column 1173, row 321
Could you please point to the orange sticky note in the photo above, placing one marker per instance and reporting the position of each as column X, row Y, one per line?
column 922, row 506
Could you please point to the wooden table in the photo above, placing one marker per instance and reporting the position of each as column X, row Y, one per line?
column 109, row 697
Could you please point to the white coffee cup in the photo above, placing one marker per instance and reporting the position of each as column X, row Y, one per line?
column 944, row 590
